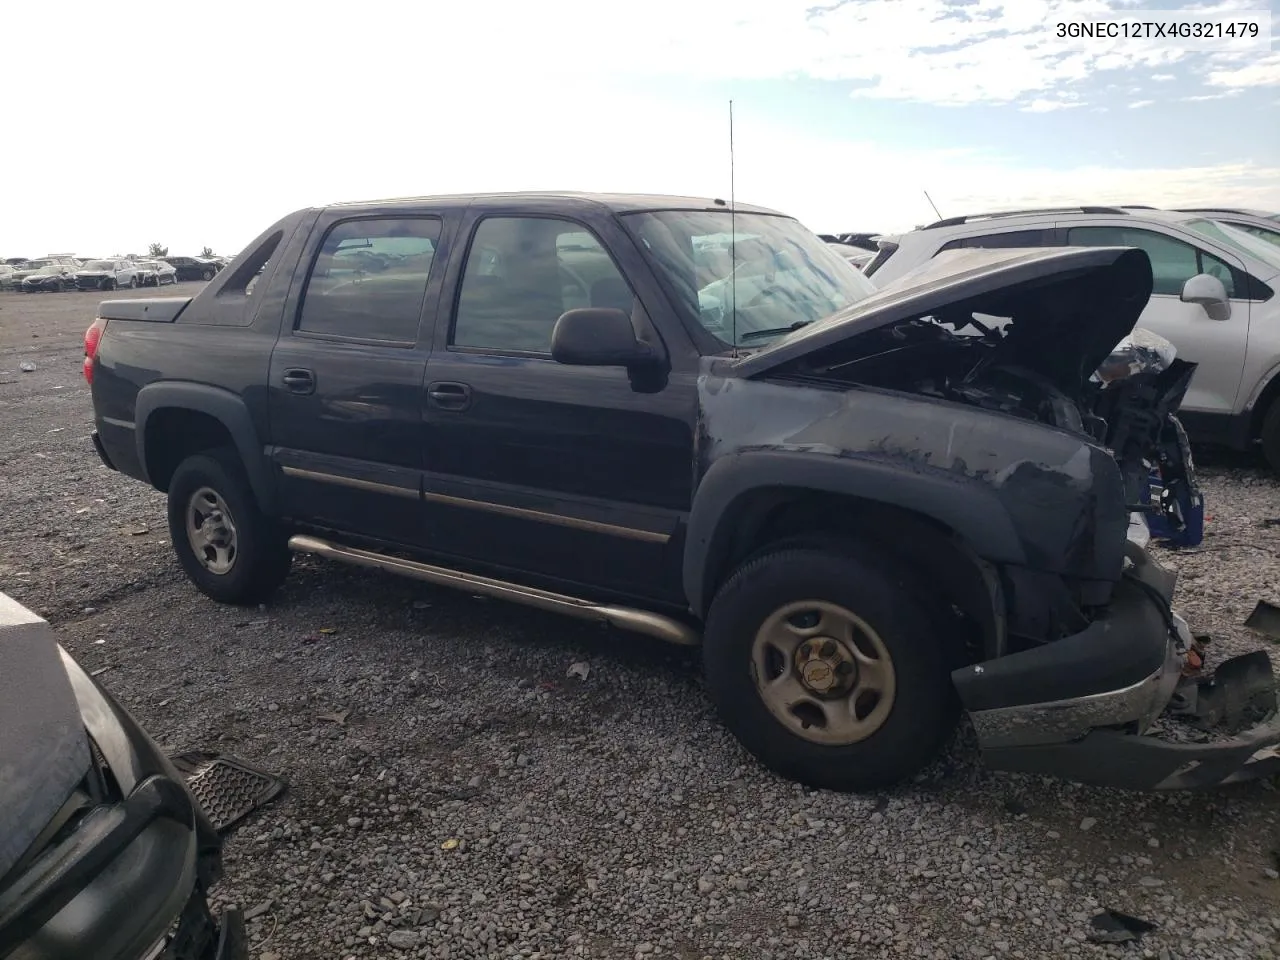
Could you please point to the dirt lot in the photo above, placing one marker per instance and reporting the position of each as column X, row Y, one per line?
column 606, row 817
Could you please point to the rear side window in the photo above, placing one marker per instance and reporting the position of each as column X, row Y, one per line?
column 369, row 279
column 1012, row 238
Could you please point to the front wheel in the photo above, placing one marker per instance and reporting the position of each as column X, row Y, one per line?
column 828, row 668
column 207, row 275
column 228, row 547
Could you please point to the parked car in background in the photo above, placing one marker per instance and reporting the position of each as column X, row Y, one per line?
column 1214, row 298
column 7, row 270
column 193, row 268
column 25, row 269
column 107, row 275
column 104, row 851
column 51, row 278
column 854, row 255
column 1259, row 223
column 155, row 273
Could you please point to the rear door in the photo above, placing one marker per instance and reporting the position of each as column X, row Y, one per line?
column 1218, row 346
column 345, row 388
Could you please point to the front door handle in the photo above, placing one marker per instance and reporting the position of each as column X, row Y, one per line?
column 448, row 395
column 298, row 380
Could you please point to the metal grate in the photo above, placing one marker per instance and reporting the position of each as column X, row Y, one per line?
column 228, row 790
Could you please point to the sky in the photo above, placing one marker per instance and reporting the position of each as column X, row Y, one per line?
column 200, row 124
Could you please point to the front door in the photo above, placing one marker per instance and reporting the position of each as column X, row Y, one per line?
column 346, row 377
column 546, row 471
column 1218, row 346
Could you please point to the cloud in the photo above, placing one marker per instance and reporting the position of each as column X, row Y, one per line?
column 1163, row 77
column 954, row 53
column 1139, row 104
column 1262, row 72
column 1200, row 97
column 1041, row 105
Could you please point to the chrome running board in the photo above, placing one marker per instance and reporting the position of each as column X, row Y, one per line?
column 625, row 618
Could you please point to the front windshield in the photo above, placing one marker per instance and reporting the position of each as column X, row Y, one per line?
column 99, row 265
column 48, row 270
column 747, row 278
column 1238, row 240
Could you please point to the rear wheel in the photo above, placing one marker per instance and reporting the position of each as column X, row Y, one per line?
column 1271, row 435
column 229, row 548
column 207, row 274
column 828, row 668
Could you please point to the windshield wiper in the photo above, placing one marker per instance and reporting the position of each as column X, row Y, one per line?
column 775, row 331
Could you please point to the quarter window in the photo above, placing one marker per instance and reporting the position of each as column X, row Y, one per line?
column 370, row 278
column 522, row 273
column 1173, row 262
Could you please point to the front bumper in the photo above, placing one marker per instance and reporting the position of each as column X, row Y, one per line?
column 126, row 879
column 1086, row 707
column 126, row 885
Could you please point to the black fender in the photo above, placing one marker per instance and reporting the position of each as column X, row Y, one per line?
column 971, row 509
column 227, row 408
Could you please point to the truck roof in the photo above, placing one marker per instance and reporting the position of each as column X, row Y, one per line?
column 614, row 202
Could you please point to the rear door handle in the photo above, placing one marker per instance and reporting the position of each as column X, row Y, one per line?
column 298, row 380
column 448, row 395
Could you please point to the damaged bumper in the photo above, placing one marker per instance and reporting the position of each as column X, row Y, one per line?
column 1110, row 705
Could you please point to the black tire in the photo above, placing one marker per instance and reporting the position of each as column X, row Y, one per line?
column 207, row 274
column 923, row 710
column 261, row 558
column 108, row 284
column 1271, row 435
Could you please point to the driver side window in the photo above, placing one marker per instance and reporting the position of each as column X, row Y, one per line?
column 522, row 273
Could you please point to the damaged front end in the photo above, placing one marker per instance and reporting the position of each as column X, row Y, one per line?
column 1030, row 386
column 1058, row 710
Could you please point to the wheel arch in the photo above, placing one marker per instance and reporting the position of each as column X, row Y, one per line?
column 177, row 419
column 954, row 532
column 1264, row 397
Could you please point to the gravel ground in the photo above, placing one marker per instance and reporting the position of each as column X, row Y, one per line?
column 454, row 793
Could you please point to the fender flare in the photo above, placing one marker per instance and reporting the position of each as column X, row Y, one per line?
column 224, row 406
column 969, row 508
column 1268, row 379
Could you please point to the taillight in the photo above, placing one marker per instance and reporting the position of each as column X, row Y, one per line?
column 92, row 337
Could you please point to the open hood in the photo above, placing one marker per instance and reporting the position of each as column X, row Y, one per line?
column 1067, row 307
column 44, row 750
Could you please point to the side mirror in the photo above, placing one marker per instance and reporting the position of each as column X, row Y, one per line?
column 1209, row 292
column 597, row 337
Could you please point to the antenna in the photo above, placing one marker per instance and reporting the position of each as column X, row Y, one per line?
column 932, row 204
column 733, row 240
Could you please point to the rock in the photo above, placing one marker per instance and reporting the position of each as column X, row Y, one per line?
column 26, row 366
column 254, row 912
column 402, row 939
column 1088, row 823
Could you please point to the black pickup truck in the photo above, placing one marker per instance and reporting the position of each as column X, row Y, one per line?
column 870, row 508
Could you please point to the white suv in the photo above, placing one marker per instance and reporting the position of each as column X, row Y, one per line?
column 1214, row 297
